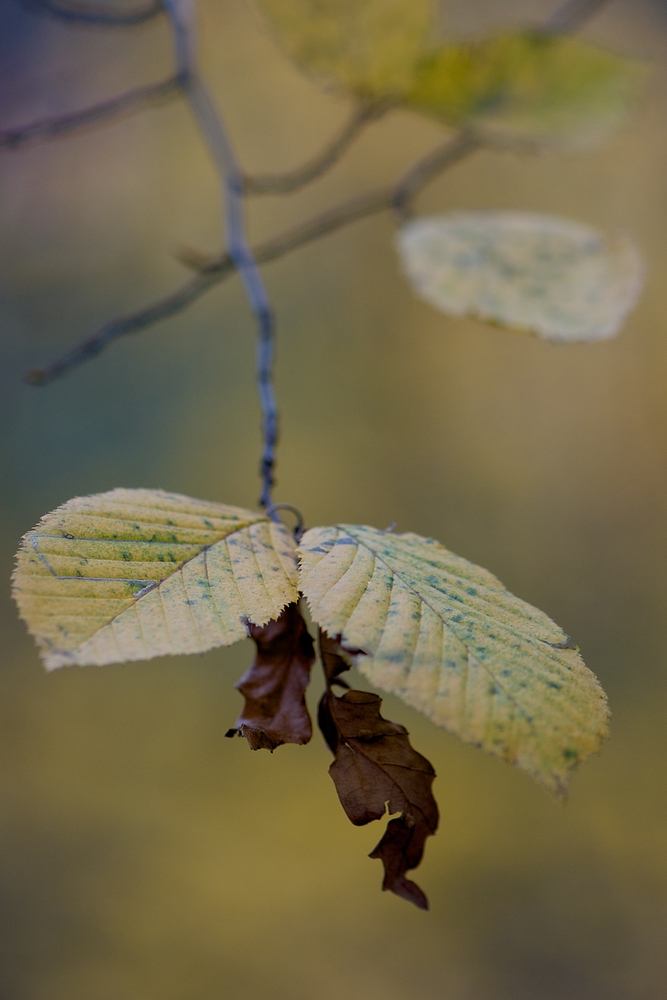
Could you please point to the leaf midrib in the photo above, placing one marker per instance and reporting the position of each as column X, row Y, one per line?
column 158, row 583
column 383, row 767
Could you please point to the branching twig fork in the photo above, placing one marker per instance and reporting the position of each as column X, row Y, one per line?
column 293, row 180
column 239, row 256
column 216, row 269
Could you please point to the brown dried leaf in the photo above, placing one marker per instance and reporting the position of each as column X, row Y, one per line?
column 274, row 687
column 375, row 770
column 335, row 659
column 401, row 849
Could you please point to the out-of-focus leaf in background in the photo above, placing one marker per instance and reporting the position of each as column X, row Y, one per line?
column 550, row 276
column 529, row 87
column 365, row 47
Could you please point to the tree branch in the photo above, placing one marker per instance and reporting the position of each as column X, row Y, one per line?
column 292, row 180
column 430, row 166
column 92, row 15
column 215, row 269
column 132, row 323
column 570, row 16
column 124, row 104
column 182, row 16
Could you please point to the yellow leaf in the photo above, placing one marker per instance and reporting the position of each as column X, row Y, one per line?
column 550, row 276
column 446, row 637
column 366, row 47
column 528, row 87
column 132, row 574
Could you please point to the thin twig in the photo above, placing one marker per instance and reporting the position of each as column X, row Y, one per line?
column 292, row 180
column 96, row 114
column 216, row 269
column 132, row 323
column 92, row 15
column 182, row 16
column 430, row 166
column 382, row 199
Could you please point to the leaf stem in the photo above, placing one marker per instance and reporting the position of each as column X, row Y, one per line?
column 293, row 180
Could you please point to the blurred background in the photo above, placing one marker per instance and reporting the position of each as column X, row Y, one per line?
column 142, row 855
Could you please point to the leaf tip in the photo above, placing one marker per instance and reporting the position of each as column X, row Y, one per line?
column 260, row 739
column 400, row 849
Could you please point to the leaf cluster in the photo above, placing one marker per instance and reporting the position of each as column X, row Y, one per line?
column 133, row 574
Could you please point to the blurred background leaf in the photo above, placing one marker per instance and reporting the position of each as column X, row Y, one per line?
column 550, row 276
column 365, row 47
column 528, row 86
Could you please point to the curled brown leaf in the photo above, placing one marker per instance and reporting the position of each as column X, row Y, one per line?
column 274, row 687
column 335, row 659
column 376, row 770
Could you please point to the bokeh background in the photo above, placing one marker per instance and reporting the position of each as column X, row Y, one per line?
column 142, row 855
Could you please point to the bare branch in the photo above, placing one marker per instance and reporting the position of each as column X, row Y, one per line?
column 292, row 180
column 430, row 166
column 321, row 225
column 572, row 15
column 162, row 309
column 95, row 15
column 124, row 104
column 217, row 269
column 213, row 270
column 182, row 16
column 394, row 197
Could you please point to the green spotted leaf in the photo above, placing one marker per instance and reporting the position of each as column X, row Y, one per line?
column 554, row 277
column 364, row 47
column 528, row 87
column 446, row 637
column 133, row 574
